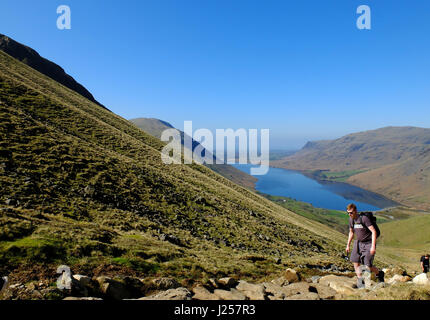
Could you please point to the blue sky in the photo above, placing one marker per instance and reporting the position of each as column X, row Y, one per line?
column 300, row 68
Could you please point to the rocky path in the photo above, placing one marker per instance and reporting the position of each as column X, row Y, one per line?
column 290, row 286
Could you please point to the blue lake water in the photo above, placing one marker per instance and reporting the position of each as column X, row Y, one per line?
column 321, row 194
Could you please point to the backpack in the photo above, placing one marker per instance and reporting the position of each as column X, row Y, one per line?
column 372, row 219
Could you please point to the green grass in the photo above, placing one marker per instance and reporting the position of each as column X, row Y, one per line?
column 336, row 219
column 338, row 176
column 412, row 233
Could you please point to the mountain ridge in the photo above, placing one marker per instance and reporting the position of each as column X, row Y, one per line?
column 155, row 127
column 32, row 58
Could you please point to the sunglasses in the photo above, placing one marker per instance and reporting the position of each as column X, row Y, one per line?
column 349, row 212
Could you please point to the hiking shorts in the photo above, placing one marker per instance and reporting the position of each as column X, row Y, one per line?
column 361, row 253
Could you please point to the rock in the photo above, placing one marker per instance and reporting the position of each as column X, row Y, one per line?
column 201, row 293
column 10, row 202
column 231, row 294
column 252, row 291
column 342, row 288
column 280, row 281
column 213, row 283
column 296, row 288
column 398, row 278
column 323, row 291
column 171, row 294
column 113, row 289
column 83, row 280
column 227, row 282
column 421, row 279
column 391, row 272
column 273, row 289
column 165, row 283
column 82, row 298
column 380, row 285
column 304, row 296
column 315, row 279
column 343, row 285
column 291, row 276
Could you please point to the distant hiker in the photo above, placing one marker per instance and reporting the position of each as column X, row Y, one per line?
column 425, row 263
column 3, row 284
column 364, row 227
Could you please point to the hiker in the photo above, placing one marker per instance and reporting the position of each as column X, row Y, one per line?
column 363, row 228
column 425, row 263
column 3, row 283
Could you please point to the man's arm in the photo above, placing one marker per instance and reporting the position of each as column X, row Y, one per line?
column 422, row 265
column 373, row 248
column 350, row 237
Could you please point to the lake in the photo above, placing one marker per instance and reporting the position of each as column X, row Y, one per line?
column 321, row 194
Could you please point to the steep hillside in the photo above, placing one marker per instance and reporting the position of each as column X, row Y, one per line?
column 155, row 127
column 392, row 161
column 82, row 186
column 33, row 59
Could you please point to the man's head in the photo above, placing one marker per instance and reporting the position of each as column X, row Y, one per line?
column 352, row 210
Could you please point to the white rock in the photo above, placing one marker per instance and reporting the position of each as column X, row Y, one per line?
column 421, row 279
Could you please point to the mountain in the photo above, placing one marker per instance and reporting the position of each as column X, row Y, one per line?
column 392, row 161
column 84, row 187
column 48, row 68
column 155, row 127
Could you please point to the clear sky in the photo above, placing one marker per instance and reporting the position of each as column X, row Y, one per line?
column 300, row 68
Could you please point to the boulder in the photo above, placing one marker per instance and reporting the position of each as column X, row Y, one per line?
column 213, row 283
column 398, row 278
column 343, row 285
column 342, row 288
column 324, row 292
column 231, row 294
column 252, row 291
column 165, row 283
column 304, row 296
column 201, row 293
column 391, row 272
column 280, row 281
column 82, row 280
column 421, row 279
column 296, row 288
column 291, row 275
column 227, row 282
column 171, row 294
column 113, row 289
column 272, row 289
column 82, row 298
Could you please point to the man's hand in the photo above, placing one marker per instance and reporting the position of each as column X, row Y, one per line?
column 347, row 249
column 372, row 251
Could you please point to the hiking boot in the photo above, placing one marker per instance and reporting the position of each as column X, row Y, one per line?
column 360, row 283
column 380, row 276
column 3, row 283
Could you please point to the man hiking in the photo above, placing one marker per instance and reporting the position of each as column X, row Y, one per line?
column 425, row 263
column 3, row 284
column 362, row 227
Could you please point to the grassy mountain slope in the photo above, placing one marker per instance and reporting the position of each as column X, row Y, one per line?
column 407, row 240
column 84, row 187
column 392, row 161
column 155, row 127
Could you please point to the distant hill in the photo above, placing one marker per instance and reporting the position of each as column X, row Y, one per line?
column 392, row 161
column 155, row 127
column 31, row 58
column 84, row 187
